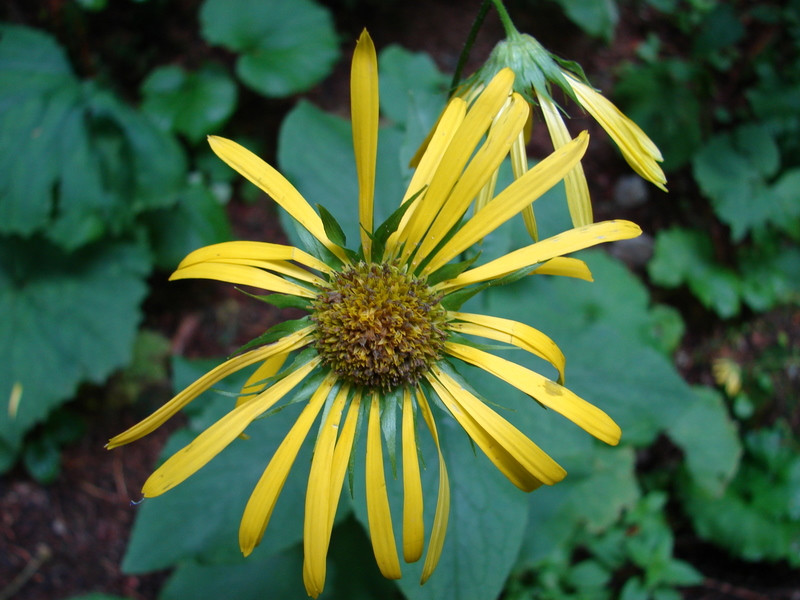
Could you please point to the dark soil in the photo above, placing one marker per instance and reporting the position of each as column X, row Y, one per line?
column 69, row 537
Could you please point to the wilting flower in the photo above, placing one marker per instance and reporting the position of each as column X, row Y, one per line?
column 537, row 72
column 384, row 329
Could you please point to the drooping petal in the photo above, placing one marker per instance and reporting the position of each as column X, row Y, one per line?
column 525, row 464
column 446, row 128
column 638, row 150
column 254, row 251
column 274, row 185
column 442, row 514
column 257, row 381
column 286, row 344
column 563, row 243
column 364, row 114
column 512, row 332
column 519, row 166
column 476, row 122
column 483, row 165
column 565, row 267
column 242, row 275
column 548, row 393
column 378, row 513
column 512, row 200
column 578, row 200
column 413, row 525
column 316, row 526
column 262, row 501
column 210, row 442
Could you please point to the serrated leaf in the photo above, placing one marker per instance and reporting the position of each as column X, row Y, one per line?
column 76, row 163
column 408, row 75
column 709, row 438
column 194, row 103
column 284, row 47
column 67, row 318
column 685, row 256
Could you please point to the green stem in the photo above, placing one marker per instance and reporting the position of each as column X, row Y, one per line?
column 505, row 19
column 473, row 33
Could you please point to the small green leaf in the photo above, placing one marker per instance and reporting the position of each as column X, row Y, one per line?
column 192, row 103
column 332, row 228
column 598, row 18
column 285, row 47
column 686, row 256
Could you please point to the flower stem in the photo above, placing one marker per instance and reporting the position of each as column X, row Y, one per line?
column 505, row 19
column 470, row 41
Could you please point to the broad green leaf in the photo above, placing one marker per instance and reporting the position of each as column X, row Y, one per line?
column 67, row 318
column 193, row 103
column 197, row 219
column 487, row 517
column 709, row 438
column 203, row 513
column 284, row 47
column 76, row 162
column 315, row 152
column 598, row 18
column 684, row 256
column 410, row 82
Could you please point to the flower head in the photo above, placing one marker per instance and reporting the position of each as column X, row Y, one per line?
column 537, row 71
column 384, row 329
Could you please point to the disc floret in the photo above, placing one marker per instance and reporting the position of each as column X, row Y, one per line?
column 377, row 326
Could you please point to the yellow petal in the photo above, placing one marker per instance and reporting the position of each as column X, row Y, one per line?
column 638, row 150
column 378, row 514
column 565, row 267
column 286, row 344
column 413, row 526
column 262, row 501
column 364, row 114
column 578, row 200
column 213, row 440
column 276, row 186
column 548, row 393
column 278, row 266
column 442, row 514
column 519, row 166
column 242, row 275
column 254, row 251
column 571, row 240
column 476, row 122
column 441, row 137
column 512, row 200
column 512, row 332
column 341, row 455
column 516, row 456
column 257, row 381
column 483, row 165
column 316, row 526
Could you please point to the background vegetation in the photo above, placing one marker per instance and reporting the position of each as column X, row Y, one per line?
column 689, row 337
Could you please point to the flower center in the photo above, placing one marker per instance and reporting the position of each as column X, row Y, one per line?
column 378, row 326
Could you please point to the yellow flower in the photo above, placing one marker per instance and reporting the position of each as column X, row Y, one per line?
column 537, row 71
column 384, row 327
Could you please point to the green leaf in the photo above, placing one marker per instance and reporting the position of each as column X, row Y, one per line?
column 710, row 441
column 76, row 162
column 598, row 18
column 487, row 517
column 203, row 513
column 67, row 318
column 410, row 82
column 324, row 170
column 197, row 219
column 686, row 256
column 332, row 228
column 192, row 103
column 285, row 47
column 735, row 171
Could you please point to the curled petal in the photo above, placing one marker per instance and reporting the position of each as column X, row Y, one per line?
column 413, row 526
column 242, row 275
